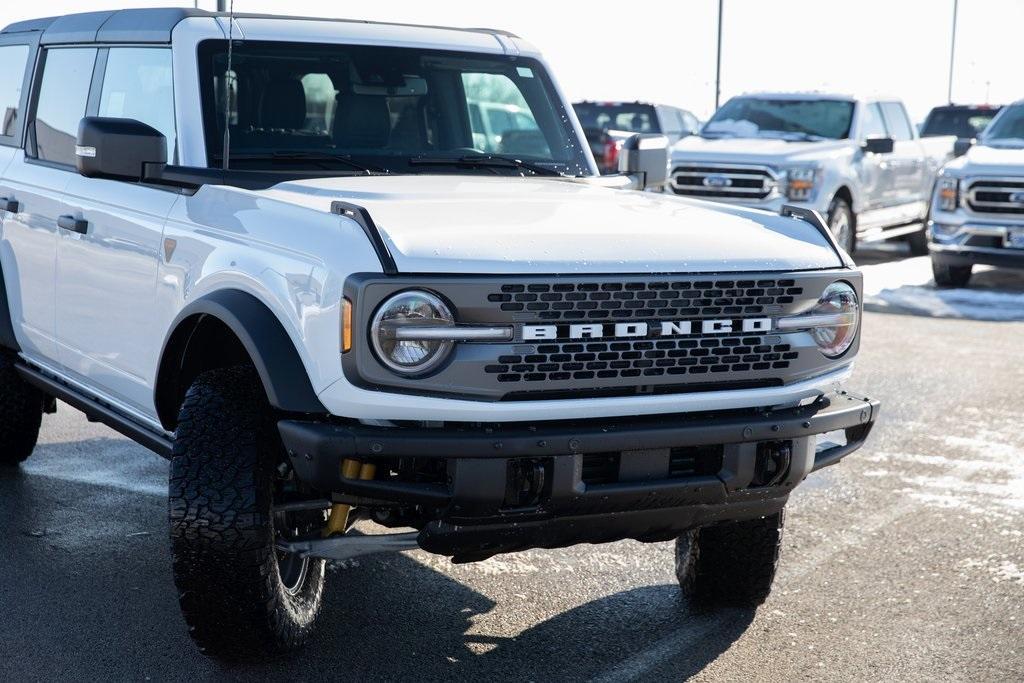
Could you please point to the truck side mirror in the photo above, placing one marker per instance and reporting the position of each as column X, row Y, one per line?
column 879, row 145
column 961, row 146
column 117, row 148
column 646, row 157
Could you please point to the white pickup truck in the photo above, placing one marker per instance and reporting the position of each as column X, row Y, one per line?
column 281, row 262
column 859, row 162
column 977, row 214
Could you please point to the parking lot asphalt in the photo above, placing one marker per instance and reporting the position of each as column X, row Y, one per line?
column 904, row 562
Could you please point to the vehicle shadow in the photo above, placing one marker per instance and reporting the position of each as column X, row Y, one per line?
column 88, row 594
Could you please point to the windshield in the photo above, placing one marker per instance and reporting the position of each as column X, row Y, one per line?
column 356, row 109
column 633, row 118
column 962, row 122
column 1007, row 129
column 787, row 119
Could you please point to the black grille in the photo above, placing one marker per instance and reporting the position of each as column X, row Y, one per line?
column 996, row 196
column 645, row 300
column 684, row 463
column 600, row 468
column 739, row 182
column 643, row 358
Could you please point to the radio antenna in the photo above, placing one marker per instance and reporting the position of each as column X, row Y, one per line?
column 226, row 153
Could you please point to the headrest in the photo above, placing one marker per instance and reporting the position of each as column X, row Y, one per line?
column 362, row 122
column 283, row 105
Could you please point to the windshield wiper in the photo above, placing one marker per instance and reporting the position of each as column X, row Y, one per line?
column 322, row 158
column 484, row 160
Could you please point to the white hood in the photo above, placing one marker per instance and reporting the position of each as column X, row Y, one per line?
column 472, row 225
column 755, row 150
column 981, row 160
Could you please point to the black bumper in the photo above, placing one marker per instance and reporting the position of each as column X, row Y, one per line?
column 655, row 477
column 968, row 256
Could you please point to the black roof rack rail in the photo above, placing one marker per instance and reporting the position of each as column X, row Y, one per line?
column 814, row 218
column 361, row 216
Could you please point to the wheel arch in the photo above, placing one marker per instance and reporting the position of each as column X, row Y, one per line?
column 8, row 340
column 231, row 327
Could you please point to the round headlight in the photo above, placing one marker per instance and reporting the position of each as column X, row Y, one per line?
column 840, row 302
column 405, row 311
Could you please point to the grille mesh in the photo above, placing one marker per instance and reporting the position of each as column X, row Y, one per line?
column 643, row 358
column 645, row 300
column 738, row 182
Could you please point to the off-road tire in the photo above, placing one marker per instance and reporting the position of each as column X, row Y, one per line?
column 918, row 242
column 839, row 210
column 21, row 414
column 226, row 455
column 951, row 276
column 730, row 564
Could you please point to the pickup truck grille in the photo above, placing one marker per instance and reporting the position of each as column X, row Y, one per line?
column 996, row 195
column 566, row 339
column 723, row 182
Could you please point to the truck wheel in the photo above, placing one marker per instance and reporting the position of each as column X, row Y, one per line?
column 951, row 276
column 918, row 242
column 21, row 414
column 240, row 596
column 730, row 564
column 840, row 222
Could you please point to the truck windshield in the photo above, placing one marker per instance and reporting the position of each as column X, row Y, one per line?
column 345, row 109
column 787, row 119
column 1007, row 129
column 632, row 118
column 963, row 122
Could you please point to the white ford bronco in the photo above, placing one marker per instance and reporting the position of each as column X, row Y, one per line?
column 282, row 254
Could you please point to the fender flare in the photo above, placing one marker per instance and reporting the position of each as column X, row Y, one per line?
column 265, row 340
column 8, row 340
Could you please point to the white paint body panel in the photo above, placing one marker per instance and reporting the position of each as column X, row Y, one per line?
column 98, row 308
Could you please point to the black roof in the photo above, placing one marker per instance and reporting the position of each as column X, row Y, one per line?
column 144, row 25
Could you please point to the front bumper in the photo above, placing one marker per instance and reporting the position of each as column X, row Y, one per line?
column 509, row 488
column 972, row 242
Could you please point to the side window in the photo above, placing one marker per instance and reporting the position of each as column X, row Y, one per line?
column 871, row 123
column 12, row 74
column 138, row 85
column 896, row 120
column 63, row 94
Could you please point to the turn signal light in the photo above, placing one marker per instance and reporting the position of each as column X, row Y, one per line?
column 346, row 325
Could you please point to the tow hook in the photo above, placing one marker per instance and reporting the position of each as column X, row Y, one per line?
column 337, row 523
column 772, row 464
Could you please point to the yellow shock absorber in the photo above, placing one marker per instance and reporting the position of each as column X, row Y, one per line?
column 350, row 469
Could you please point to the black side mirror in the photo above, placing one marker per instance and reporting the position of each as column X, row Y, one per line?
column 961, row 146
column 645, row 156
column 879, row 145
column 117, row 148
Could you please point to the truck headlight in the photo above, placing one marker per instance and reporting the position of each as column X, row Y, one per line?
column 404, row 311
column 947, row 193
column 840, row 313
column 800, row 183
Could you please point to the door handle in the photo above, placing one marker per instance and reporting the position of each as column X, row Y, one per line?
column 9, row 205
column 73, row 224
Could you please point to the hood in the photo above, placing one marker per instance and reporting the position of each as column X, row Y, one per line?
column 983, row 160
column 755, row 150
column 473, row 225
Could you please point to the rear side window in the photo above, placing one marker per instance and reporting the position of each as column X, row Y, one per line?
column 138, row 85
column 12, row 74
column 63, row 95
column 896, row 120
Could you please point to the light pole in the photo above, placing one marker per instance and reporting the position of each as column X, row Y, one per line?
column 718, row 60
column 952, row 52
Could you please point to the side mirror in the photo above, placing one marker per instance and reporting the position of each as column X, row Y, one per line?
column 117, row 148
column 879, row 145
column 961, row 146
column 645, row 156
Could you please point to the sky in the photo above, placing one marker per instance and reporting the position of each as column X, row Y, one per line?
column 666, row 54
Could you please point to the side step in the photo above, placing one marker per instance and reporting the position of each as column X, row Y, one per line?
column 94, row 410
column 347, row 547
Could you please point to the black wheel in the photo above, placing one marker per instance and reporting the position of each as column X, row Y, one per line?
column 21, row 414
column 918, row 242
column 842, row 225
column 239, row 594
column 951, row 276
column 730, row 564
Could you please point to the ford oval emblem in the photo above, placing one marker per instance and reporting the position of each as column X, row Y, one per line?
column 717, row 181
column 1017, row 197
